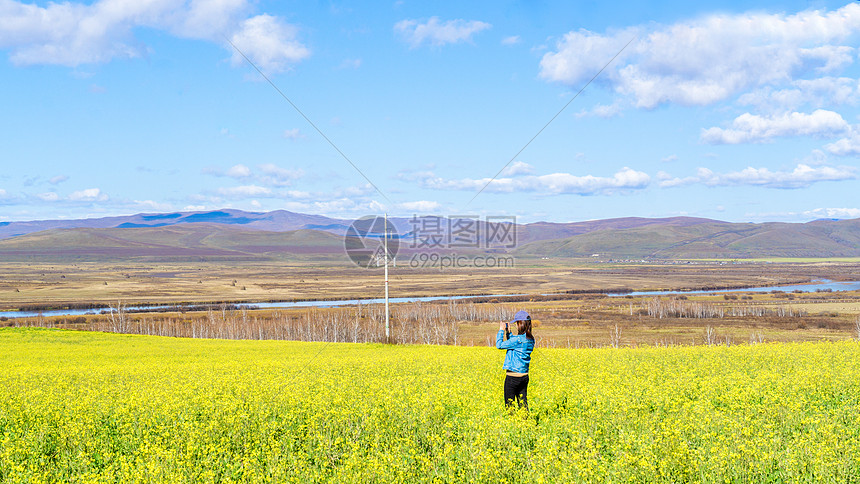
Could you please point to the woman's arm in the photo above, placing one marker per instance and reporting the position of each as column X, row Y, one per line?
column 510, row 344
column 506, row 344
column 501, row 336
column 503, row 326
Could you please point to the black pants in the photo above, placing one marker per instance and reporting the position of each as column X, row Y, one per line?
column 516, row 388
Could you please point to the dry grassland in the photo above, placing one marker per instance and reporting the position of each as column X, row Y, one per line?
column 28, row 285
column 578, row 321
column 570, row 317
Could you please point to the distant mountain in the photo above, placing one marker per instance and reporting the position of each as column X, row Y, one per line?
column 282, row 221
column 821, row 238
column 552, row 230
column 277, row 221
column 237, row 234
column 190, row 241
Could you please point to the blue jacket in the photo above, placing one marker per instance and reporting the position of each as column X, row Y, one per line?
column 519, row 353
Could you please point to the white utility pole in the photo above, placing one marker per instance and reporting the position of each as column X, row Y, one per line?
column 385, row 242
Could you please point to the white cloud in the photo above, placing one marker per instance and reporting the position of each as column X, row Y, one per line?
column 88, row 195
column 801, row 176
column 277, row 176
column 48, row 197
column 841, row 213
column 293, row 134
column 243, row 191
column 72, row 34
column 353, row 191
column 152, row 205
column 66, row 33
column 207, row 19
column 824, row 91
column 556, row 183
column 267, row 174
column 751, row 128
column 239, row 171
column 710, row 59
column 668, row 181
column 422, row 206
column 605, row 111
column 848, row 146
column 298, row 194
column 335, row 205
column 350, row 64
column 437, row 33
column 269, row 42
column 518, row 168
column 669, row 159
column 345, row 207
column 3, row 193
column 512, row 40
column 58, row 179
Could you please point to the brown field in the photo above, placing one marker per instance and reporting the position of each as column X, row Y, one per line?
column 578, row 321
column 570, row 317
column 25, row 285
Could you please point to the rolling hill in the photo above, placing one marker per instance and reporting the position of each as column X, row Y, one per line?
column 552, row 230
column 235, row 234
column 276, row 221
column 191, row 241
column 708, row 240
column 282, row 221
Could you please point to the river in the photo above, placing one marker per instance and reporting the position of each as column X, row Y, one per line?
column 818, row 285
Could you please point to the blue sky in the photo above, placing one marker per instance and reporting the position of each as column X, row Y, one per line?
column 734, row 111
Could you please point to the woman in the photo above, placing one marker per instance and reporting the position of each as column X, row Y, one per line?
column 519, row 349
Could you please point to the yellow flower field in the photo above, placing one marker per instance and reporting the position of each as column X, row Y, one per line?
column 93, row 407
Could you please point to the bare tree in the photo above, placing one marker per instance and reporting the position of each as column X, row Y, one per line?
column 615, row 337
column 710, row 336
column 118, row 318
